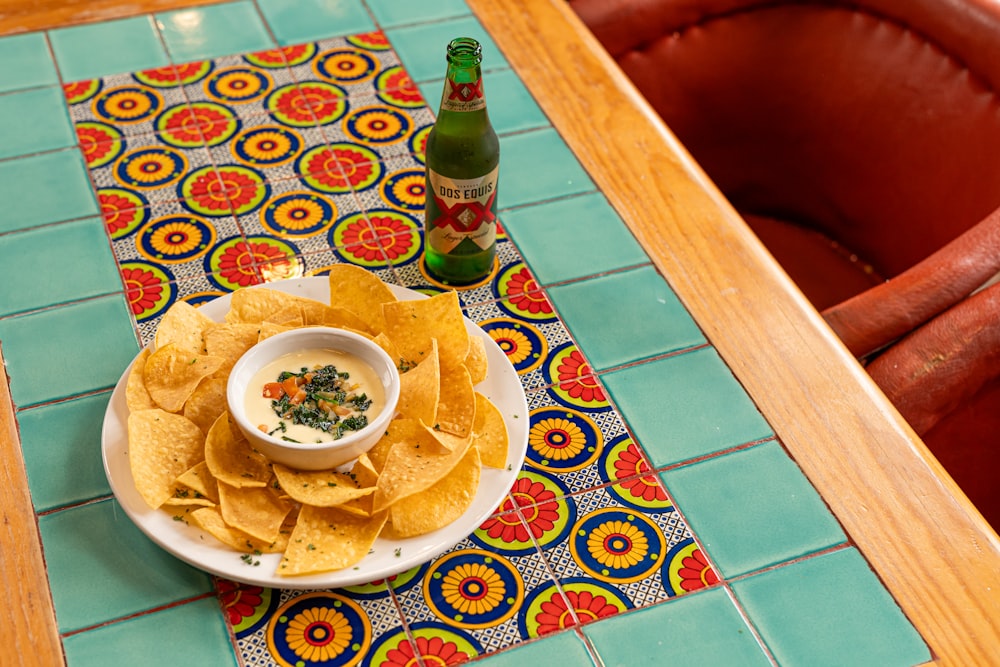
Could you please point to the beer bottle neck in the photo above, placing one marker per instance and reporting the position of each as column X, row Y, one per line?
column 463, row 86
column 463, row 92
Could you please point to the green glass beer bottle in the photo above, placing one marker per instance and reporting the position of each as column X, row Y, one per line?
column 463, row 155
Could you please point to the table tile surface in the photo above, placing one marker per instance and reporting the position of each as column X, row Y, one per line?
column 93, row 50
column 655, row 503
column 27, row 62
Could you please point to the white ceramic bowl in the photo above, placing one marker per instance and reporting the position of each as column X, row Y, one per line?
column 313, row 456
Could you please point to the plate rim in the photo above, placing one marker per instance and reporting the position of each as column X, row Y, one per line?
column 200, row 550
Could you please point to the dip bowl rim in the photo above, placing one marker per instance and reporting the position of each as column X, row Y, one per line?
column 323, row 455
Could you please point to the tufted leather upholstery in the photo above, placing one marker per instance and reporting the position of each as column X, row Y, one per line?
column 857, row 138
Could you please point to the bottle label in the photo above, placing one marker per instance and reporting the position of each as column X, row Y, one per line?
column 466, row 209
column 463, row 96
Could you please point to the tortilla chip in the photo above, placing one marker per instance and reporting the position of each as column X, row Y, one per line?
column 366, row 477
column 320, row 488
column 162, row 446
column 456, row 410
column 315, row 313
column 380, row 450
column 268, row 329
column 182, row 325
column 386, row 344
column 200, row 479
column 420, row 388
column 290, row 316
column 210, row 520
column 476, row 361
column 257, row 304
column 180, row 512
column 230, row 457
column 412, row 324
column 440, row 504
column 206, row 403
column 328, row 538
column 136, row 396
column 362, row 292
column 186, row 496
column 257, row 512
column 489, row 433
column 448, row 441
column 360, row 507
column 415, row 462
column 229, row 341
column 172, row 373
column 364, row 472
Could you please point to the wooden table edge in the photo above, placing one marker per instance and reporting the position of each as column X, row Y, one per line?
column 28, row 627
column 927, row 542
column 23, row 16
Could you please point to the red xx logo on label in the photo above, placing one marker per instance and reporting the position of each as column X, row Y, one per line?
column 465, row 217
column 466, row 91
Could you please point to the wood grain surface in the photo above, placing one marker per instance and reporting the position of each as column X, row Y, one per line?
column 930, row 546
column 28, row 629
column 18, row 16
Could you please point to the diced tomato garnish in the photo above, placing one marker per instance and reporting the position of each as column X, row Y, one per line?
column 273, row 390
column 298, row 397
column 290, row 385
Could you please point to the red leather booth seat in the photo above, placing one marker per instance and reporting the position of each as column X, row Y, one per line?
column 855, row 138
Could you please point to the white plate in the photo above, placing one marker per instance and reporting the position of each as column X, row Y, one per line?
column 388, row 557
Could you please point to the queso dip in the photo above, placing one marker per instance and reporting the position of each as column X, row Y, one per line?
column 314, row 396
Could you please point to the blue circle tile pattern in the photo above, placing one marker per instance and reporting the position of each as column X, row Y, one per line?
column 176, row 239
column 319, row 629
column 618, row 545
column 473, row 589
column 267, row 146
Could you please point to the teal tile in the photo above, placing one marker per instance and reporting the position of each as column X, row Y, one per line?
column 34, row 120
column 101, row 567
column 432, row 91
column 110, row 47
column 392, row 13
column 61, row 443
column 26, row 62
column 422, row 47
column 511, row 106
column 753, row 508
column 80, row 250
column 568, row 646
column 599, row 313
column 830, row 610
column 190, row 634
column 572, row 238
column 685, row 406
column 51, row 187
column 311, row 20
column 69, row 350
column 211, row 31
column 703, row 629
column 537, row 166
